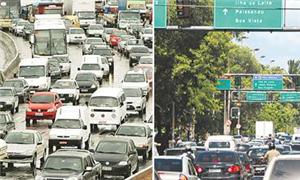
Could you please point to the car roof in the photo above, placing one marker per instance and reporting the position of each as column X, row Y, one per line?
column 141, row 124
column 70, row 153
column 107, row 91
column 44, row 93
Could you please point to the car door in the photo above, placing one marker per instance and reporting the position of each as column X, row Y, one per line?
column 133, row 158
column 86, row 175
column 40, row 145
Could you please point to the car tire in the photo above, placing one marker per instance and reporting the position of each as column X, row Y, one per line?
column 128, row 173
column 136, row 169
column 145, row 156
column 12, row 111
column 17, row 108
column 50, row 148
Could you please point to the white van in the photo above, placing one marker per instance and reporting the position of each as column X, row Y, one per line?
column 93, row 64
column 36, row 71
column 70, row 128
column 107, row 108
column 220, row 142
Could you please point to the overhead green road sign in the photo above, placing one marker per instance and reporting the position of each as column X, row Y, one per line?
column 160, row 17
column 224, row 84
column 248, row 14
column 267, row 82
column 256, row 96
column 290, row 97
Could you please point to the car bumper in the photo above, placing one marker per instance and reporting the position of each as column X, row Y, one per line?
column 87, row 90
column 40, row 115
column 65, row 98
column 64, row 142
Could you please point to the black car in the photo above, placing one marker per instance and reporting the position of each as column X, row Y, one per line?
column 71, row 164
column 136, row 53
column 21, row 86
column 219, row 165
column 55, row 69
column 87, row 82
column 105, row 51
column 247, row 164
column 243, row 147
column 6, row 123
column 118, row 156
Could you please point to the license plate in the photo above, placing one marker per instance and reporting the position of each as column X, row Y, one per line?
column 260, row 169
column 62, row 99
column 84, row 90
column 106, row 168
column 63, row 142
column 38, row 114
column 214, row 170
column 102, row 122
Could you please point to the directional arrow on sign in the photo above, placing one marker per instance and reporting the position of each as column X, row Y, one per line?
column 225, row 11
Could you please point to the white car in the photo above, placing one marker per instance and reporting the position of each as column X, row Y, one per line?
column 68, row 90
column 18, row 28
column 95, row 30
column 141, row 134
column 105, row 65
column 147, row 34
column 136, row 79
column 76, row 35
column 93, row 64
column 70, row 128
column 135, row 101
column 220, row 142
column 25, row 146
column 175, row 167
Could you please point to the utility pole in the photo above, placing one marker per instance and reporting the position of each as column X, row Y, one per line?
column 173, row 120
column 193, row 123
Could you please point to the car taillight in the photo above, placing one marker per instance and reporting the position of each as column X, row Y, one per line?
column 199, row 169
column 248, row 168
column 183, row 177
column 234, row 169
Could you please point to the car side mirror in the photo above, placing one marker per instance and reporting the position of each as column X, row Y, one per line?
column 88, row 169
column 92, row 150
column 84, row 127
column 78, row 69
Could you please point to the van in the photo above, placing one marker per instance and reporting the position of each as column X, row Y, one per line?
column 220, row 142
column 107, row 108
column 93, row 64
column 36, row 71
column 70, row 128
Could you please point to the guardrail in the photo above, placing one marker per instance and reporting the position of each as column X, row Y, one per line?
column 145, row 174
column 12, row 58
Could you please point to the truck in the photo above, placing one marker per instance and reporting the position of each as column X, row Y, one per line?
column 9, row 10
column 264, row 129
column 84, row 9
column 127, row 17
column 50, row 7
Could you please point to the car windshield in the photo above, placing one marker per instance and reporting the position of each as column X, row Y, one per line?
column 43, row 99
column 134, row 78
column 63, row 163
column 2, row 118
column 133, row 92
column 85, row 77
column 6, row 92
column 64, row 85
column 137, row 131
column 219, row 144
column 146, row 60
column 171, row 165
column 255, row 153
column 94, row 41
column 139, row 50
column 50, row 42
column 102, row 52
column 67, row 124
column 32, row 71
column 96, row 27
column 286, row 169
column 112, row 147
column 16, row 84
column 101, row 101
column 90, row 67
column 19, row 138
column 76, row 31
column 215, row 157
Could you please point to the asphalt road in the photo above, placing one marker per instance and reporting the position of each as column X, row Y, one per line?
column 22, row 172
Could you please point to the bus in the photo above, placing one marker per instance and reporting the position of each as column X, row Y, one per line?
column 9, row 10
column 50, row 7
column 49, row 39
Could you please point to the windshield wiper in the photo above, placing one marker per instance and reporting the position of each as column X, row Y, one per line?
column 108, row 152
column 51, row 168
column 65, row 168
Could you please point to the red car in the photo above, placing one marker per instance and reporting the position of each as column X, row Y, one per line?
column 115, row 37
column 42, row 105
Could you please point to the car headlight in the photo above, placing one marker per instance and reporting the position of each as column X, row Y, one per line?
column 133, row 57
column 113, row 116
column 71, row 95
column 39, row 177
column 28, row 110
column 51, row 110
column 93, row 86
column 123, row 163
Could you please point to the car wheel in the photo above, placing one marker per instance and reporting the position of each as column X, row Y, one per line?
column 128, row 173
column 17, row 108
column 12, row 109
column 145, row 154
column 50, row 148
column 137, row 168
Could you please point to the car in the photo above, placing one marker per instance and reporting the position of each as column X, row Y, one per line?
column 18, row 28
column 243, row 147
column 220, row 142
column 9, row 99
column 25, row 146
column 76, row 35
column 71, row 164
column 175, row 167
column 146, row 64
column 135, row 53
column 122, row 43
column 93, row 64
column 27, row 31
column 105, row 65
column 41, row 106
column 7, row 123
column 21, row 86
column 130, row 43
column 115, row 37
column 106, row 34
column 95, row 30
column 147, row 36
column 107, row 52
column 87, row 82
column 55, row 69
column 118, row 156
column 89, row 42
column 141, row 134
column 286, row 148
column 247, row 164
column 71, row 128
column 186, row 143
column 136, row 78
column 214, row 164
column 283, row 167
column 135, row 101
column 67, row 90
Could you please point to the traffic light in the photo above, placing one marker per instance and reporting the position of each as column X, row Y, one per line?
column 182, row 10
column 237, row 81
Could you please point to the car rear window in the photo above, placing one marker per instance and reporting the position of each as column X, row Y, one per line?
column 219, row 144
column 174, row 152
column 174, row 165
column 216, row 157
column 286, row 169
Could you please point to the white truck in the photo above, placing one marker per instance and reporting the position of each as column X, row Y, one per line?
column 264, row 129
column 84, row 9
